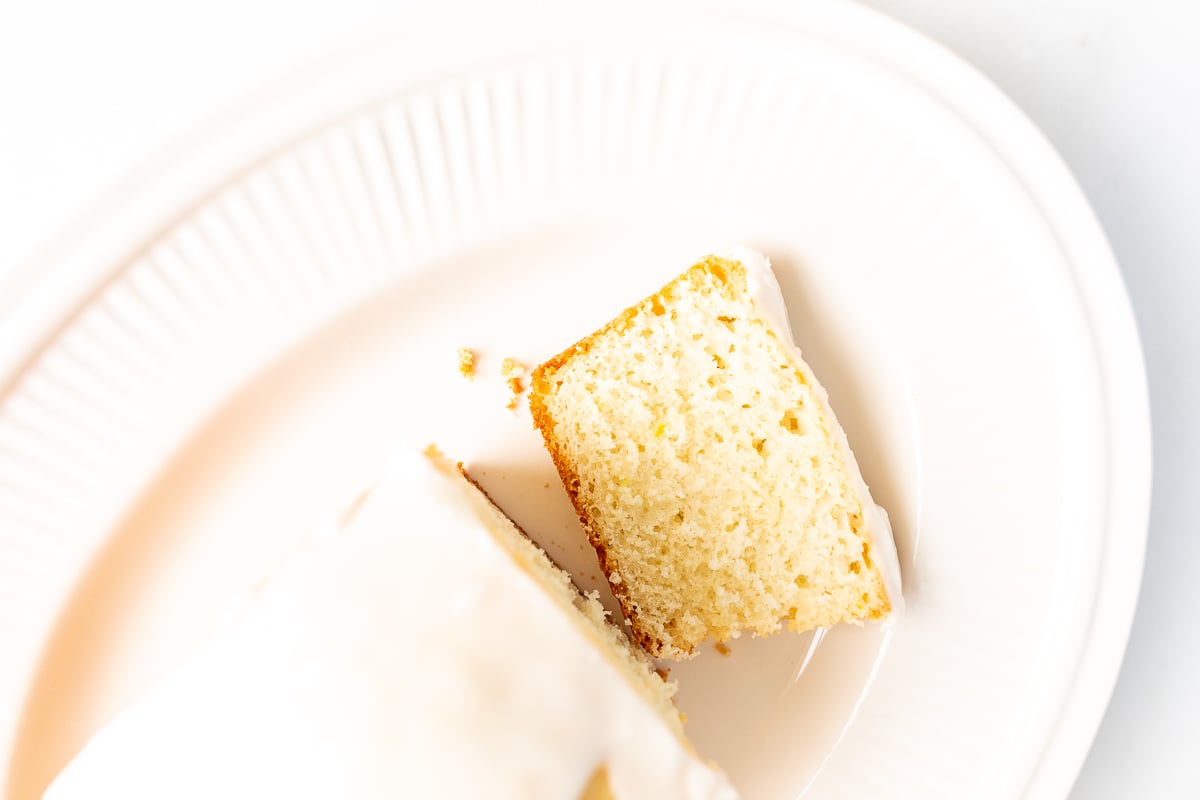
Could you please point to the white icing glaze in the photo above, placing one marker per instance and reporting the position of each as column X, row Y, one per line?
column 768, row 299
column 407, row 655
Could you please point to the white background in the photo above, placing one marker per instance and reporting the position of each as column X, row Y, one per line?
column 92, row 92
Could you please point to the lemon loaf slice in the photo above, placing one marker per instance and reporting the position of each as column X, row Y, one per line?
column 426, row 649
column 708, row 469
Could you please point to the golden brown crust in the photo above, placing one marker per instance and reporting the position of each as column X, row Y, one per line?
column 544, row 372
column 543, row 421
column 542, row 385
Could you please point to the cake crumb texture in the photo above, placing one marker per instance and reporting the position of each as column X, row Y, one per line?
column 708, row 471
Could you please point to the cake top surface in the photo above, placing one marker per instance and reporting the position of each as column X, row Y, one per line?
column 407, row 655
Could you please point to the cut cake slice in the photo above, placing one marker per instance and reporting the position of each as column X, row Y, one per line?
column 708, row 470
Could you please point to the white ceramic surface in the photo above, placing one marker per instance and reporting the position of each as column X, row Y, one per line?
column 194, row 384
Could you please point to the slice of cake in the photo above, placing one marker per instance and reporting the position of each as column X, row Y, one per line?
column 427, row 649
column 708, row 470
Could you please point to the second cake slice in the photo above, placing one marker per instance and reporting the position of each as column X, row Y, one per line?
column 708, row 469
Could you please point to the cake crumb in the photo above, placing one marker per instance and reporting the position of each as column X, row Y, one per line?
column 512, row 371
column 723, row 649
column 466, row 363
column 511, row 368
column 663, row 672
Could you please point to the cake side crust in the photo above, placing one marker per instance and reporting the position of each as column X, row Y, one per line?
column 540, row 387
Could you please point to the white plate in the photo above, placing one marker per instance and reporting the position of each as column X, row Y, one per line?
column 190, row 386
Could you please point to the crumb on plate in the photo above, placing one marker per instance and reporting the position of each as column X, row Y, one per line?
column 466, row 363
column 512, row 371
column 511, row 368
